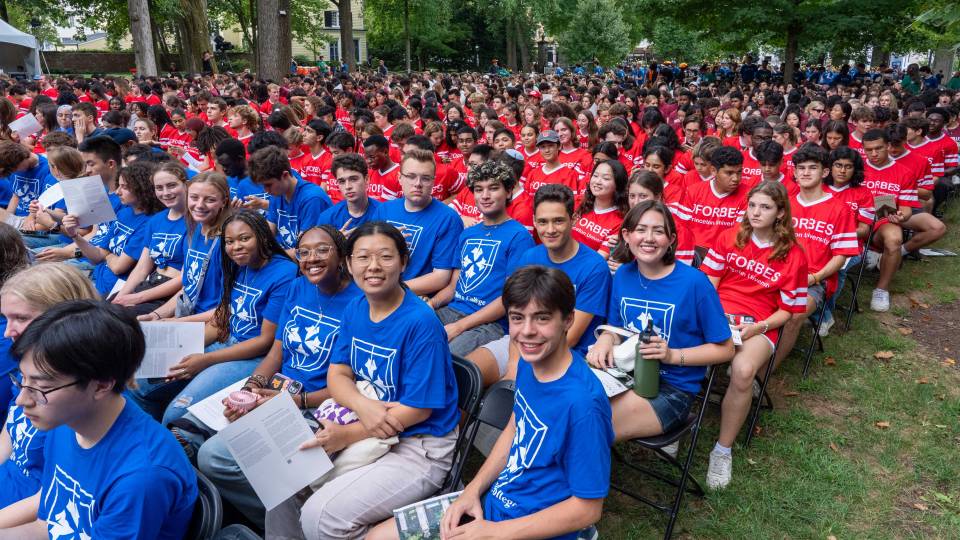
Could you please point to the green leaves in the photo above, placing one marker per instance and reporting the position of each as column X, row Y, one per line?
column 596, row 31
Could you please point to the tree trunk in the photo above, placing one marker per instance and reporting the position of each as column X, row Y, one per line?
column 3, row 11
column 943, row 61
column 511, row 35
column 253, row 27
column 522, row 44
column 541, row 55
column 273, row 27
column 141, row 31
column 879, row 56
column 195, row 32
column 790, row 52
column 406, row 30
column 347, row 50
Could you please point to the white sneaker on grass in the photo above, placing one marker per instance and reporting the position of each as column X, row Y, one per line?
column 873, row 259
column 826, row 325
column 880, row 300
column 672, row 449
column 720, row 469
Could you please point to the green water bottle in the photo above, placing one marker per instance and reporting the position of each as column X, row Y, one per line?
column 646, row 371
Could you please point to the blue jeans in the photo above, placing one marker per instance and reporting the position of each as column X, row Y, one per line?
column 34, row 243
column 169, row 400
column 841, row 279
column 216, row 461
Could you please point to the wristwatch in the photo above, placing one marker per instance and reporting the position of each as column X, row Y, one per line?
column 77, row 253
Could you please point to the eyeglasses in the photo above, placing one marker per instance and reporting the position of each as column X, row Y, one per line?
column 418, row 179
column 818, row 110
column 36, row 394
column 320, row 251
column 385, row 259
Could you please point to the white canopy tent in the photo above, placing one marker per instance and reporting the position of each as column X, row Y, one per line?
column 19, row 52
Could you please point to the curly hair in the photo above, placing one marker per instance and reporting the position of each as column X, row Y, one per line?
column 492, row 170
column 138, row 177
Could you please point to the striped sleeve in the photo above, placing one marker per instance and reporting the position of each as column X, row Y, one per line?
column 793, row 294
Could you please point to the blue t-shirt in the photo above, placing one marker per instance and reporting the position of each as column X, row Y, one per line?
column 28, row 185
column 240, row 188
column 6, row 192
column 129, row 227
column 591, row 280
column 308, row 329
column 431, row 234
column 164, row 239
column 338, row 214
column 685, row 310
column 300, row 213
column 405, row 357
column 258, row 294
column 561, row 448
column 135, row 482
column 20, row 474
column 488, row 255
column 8, row 364
column 206, row 295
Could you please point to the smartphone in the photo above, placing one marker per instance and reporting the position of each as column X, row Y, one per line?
column 281, row 382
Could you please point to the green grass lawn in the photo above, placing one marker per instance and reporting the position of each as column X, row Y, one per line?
column 864, row 448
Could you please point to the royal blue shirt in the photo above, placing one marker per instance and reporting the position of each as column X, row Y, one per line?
column 431, row 234
column 488, row 255
column 20, row 474
column 164, row 240
column 258, row 294
column 562, row 444
column 240, row 188
column 206, row 295
column 128, row 227
column 308, row 329
column 8, row 364
column 298, row 214
column 685, row 310
column 405, row 357
column 338, row 214
column 135, row 482
column 591, row 280
column 6, row 192
column 28, row 185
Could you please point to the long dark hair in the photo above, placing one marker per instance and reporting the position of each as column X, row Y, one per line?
column 267, row 248
column 158, row 115
column 620, row 200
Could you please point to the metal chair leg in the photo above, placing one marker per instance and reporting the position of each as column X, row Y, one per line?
column 813, row 343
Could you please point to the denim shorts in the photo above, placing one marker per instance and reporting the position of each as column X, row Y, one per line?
column 671, row 406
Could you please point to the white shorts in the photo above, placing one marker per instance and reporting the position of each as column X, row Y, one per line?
column 500, row 349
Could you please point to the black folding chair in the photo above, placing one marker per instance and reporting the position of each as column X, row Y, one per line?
column 691, row 426
column 470, row 391
column 208, row 512
column 854, row 305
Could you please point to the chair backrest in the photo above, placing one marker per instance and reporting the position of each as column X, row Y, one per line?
column 208, row 512
column 470, row 390
column 497, row 404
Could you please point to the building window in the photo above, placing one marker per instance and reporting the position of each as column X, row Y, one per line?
column 335, row 51
column 356, row 49
column 331, row 19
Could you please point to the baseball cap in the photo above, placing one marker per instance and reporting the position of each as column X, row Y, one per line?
column 548, row 135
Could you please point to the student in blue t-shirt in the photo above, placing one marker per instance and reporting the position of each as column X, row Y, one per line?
column 692, row 330
column 295, row 205
column 27, row 173
column 553, row 218
column 208, row 206
column 489, row 251
column 391, row 339
column 256, row 277
column 430, row 227
column 232, row 162
column 356, row 208
column 106, row 251
column 159, row 251
column 109, row 471
column 306, row 334
column 23, row 297
column 549, row 472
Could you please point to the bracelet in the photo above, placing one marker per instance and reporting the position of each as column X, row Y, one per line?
column 303, row 399
column 766, row 327
column 154, row 312
column 683, row 357
column 258, row 380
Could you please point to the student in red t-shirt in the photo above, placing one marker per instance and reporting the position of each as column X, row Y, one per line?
column 863, row 119
column 694, row 129
column 751, row 165
column 552, row 171
column 245, row 122
column 216, row 115
column 825, row 229
column 711, row 207
column 701, row 162
column 571, row 155
column 659, row 160
column 770, row 156
column 317, row 163
column 760, row 273
column 464, row 202
column 604, row 205
column 384, row 173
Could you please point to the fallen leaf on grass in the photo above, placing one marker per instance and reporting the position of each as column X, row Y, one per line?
column 791, row 394
column 882, row 424
column 883, row 355
column 750, row 461
column 947, row 362
column 757, row 429
column 829, row 361
column 834, row 447
column 923, row 380
column 831, row 537
column 904, row 331
column 920, row 506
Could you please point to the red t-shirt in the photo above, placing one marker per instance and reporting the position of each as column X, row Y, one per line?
column 751, row 168
column 824, row 228
column 593, row 228
column 891, row 179
column 170, row 137
column 673, row 188
column 919, row 165
column 709, row 213
column 316, row 169
column 693, row 178
column 753, row 284
column 684, row 162
column 152, row 99
column 561, row 175
column 735, row 141
column 385, row 185
column 581, row 162
column 531, row 160
column 858, row 199
column 450, row 179
column 857, row 144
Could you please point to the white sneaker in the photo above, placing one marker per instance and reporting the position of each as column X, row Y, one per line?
column 880, row 300
column 873, row 259
column 720, row 469
column 672, row 449
column 826, row 325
